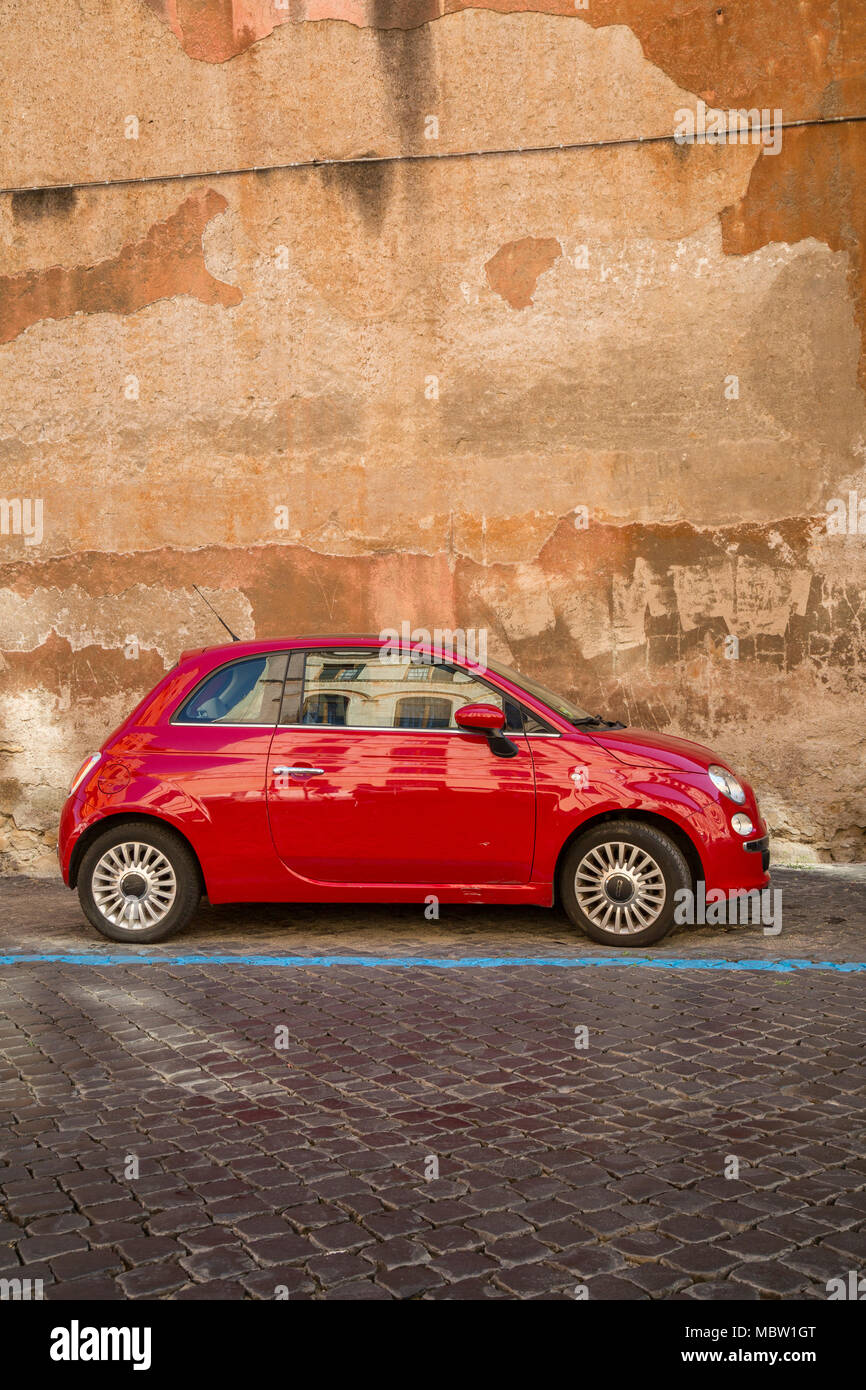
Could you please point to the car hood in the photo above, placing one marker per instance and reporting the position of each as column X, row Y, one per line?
column 640, row 749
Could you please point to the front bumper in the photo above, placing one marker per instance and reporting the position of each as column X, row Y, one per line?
column 762, row 847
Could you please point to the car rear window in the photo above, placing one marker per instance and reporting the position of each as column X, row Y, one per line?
column 241, row 692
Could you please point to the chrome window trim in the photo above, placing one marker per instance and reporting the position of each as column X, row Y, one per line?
column 359, row 729
column 389, row 729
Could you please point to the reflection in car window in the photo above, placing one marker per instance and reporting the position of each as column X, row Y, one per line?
column 422, row 712
column 363, row 689
column 243, row 692
column 325, row 709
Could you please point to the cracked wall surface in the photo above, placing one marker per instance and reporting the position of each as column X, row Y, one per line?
column 596, row 397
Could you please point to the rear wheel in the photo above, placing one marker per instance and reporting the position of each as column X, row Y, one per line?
column 138, row 882
column 618, row 883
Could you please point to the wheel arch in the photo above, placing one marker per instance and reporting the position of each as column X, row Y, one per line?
column 118, row 818
column 681, row 839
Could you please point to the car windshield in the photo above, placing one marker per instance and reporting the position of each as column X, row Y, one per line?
column 567, row 708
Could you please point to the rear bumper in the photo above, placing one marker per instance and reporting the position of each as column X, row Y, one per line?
column 69, row 831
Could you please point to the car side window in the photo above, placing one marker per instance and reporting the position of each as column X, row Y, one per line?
column 363, row 689
column 241, row 692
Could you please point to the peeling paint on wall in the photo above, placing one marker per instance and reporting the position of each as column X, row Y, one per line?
column 808, row 55
column 168, row 262
column 813, row 188
column 513, row 272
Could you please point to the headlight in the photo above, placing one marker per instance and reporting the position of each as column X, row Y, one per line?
column 726, row 783
column 741, row 823
column 82, row 772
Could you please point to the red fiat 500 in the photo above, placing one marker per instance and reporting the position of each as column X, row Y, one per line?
column 324, row 769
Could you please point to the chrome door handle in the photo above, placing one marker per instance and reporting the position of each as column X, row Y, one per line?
column 293, row 771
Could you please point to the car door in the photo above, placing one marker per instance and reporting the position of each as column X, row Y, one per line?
column 370, row 781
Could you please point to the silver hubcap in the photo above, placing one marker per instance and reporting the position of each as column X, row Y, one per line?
column 134, row 886
column 620, row 887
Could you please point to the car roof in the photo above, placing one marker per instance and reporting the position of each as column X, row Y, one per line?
column 197, row 663
column 259, row 644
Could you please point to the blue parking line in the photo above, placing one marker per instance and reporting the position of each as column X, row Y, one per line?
column 647, row 962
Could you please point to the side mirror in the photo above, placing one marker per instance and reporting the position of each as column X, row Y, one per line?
column 488, row 720
column 480, row 719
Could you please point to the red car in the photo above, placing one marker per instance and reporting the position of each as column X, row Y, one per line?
column 330, row 769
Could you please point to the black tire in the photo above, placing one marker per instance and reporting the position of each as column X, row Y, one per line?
column 166, row 846
column 669, row 870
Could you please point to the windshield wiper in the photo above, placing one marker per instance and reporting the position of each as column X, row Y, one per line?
column 595, row 721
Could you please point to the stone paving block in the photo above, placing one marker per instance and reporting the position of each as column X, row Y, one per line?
column 215, row 1290
column 152, row 1280
column 280, row 1283
column 283, row 1249
column 94, row 1290
column 584, row 1260
column 176, row 1219
column 754, row 1245
column 518, row 1250
column 408, row 1281
column 48, row 1247
column 342, row 1237
column 362, row 1291
column 611, row 1286
column 224, row 1262
column 143, row 1250
column 492, row 1225
column 770, row 1280
column 657, row 1280
column 537, row 1278
column 640, row 1246
column 851, row 1245
column 444, row 1239
column 330, row 1270
column 690, row 1230
column 82, row 1264
column 469, row 1290
column 713, row 1292
column 706, row 1261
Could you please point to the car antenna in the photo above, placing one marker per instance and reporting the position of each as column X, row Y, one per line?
column 232, row 635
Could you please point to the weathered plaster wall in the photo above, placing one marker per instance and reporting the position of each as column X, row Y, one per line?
column 434, row 363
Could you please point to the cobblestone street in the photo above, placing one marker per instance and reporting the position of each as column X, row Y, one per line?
column 233, row 1130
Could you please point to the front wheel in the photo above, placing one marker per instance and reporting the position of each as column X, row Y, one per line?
column 138, row 882
column 618, row 883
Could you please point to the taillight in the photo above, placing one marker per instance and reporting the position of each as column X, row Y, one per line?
column 82, row 772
